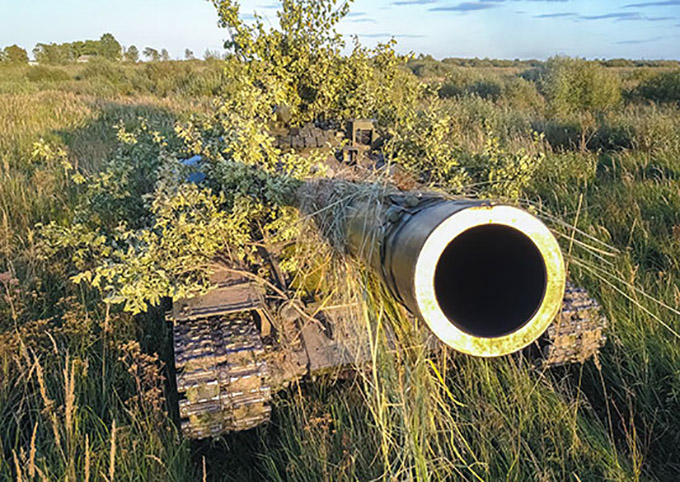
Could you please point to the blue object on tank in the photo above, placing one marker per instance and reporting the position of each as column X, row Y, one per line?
column 196, row 177
column 192, row 161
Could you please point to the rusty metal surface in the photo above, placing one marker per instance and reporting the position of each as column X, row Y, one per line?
column 578, row 333
column 221, row 375
column 234, row 297
column 336, row 342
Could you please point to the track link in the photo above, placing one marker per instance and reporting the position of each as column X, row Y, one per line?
column 221, row 375
column 577, row 333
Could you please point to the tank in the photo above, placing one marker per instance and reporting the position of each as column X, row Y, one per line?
column 485, row 279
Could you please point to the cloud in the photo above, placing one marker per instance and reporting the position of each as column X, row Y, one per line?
column 557, row 15
column 465, row 7
column 641, row 41
column 625, row 16
column 359, row 17
column 613, row 15
column 666, row 3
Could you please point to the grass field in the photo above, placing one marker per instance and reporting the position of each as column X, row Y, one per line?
column 86, row 389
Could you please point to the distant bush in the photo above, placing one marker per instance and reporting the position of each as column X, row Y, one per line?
column 512, row 91
column 463, row 81
column 562, row 136
column 522, row 94
column 657, row 128
column 576, row 85
column 47, row 74
column 428, row 67
column 533, row 74
column 618, row 63
column 487, row 89
column 571, row 135
column 157, row 78
column 101, row 68
column 451, row 89
column 663, row 87
column 425, row 66
column 457, row 82
column 612, row 137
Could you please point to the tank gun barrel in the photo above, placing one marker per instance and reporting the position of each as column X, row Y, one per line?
column 488, row 279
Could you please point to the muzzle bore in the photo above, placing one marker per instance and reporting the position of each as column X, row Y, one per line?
column 488, row 280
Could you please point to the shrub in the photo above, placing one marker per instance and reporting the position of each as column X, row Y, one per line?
column 576, row 86
column 656, row 128
column 450, row 89
column 663, row 87
column 487, row 89
column 513, row 91
column 574, row 134
column 101, row 68
column 461, row 81
column 522, row 94
column 47, row 74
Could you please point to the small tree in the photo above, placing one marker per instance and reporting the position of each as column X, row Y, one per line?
column 132, row 54
column 53, row 53
column 152, row 54
column 576, row 86
column 109, row 47
column 300, row 63
column 165, row 56
column 189, row 55
column 581, row 89
column 14, row 54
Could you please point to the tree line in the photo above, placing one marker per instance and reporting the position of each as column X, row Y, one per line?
column 107, row 47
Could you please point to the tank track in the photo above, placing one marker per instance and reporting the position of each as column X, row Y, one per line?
column 221, row 375
column 577, row 333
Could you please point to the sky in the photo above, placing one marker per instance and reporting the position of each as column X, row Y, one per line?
column 524, row 29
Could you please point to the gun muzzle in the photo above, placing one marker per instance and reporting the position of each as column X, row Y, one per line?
column 487, row 279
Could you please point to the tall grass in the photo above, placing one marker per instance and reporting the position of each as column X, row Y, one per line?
column 71, row 404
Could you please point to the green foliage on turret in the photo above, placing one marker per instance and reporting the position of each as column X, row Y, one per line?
column 301, row 64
